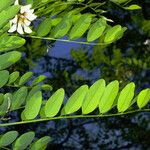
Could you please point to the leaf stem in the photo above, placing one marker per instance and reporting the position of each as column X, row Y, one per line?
column 75, row 116
column 62, row 40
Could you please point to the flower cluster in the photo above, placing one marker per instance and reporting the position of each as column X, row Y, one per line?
column 22, row 20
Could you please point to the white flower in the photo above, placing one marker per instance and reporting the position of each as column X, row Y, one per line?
column 22, row 20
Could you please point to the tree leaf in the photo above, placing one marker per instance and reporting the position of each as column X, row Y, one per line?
column 63, row 27
column 8, row 14
column 6, row 60
column 93, row 96
column 8, row 138
column 54, row 103
column 5, row 4
column 33, row 91
column 108, row 97
column 38, row 80
column 4, row 76
column 44, row 28
column 6, row 104
column 80, row 26
column 19, row 98
column 132, row 7
column 125, row 97
column 23, row 141
column 74, row 103
column 143, row 98
column 119, row 1
column 11, row 42
column 40, row 144
column 25, row 78
column 32, row 107
column 96, row 30
column 13, row 77
column 112, row 34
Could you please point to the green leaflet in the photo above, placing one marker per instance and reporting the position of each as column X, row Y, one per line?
column 132, row 7
column 143, row 98
column 55, row 21
column 38, row 80
column 25, row 78
column 93, row 96
column 80, row 26
column 32, row 107
column 108, row 97
column 8, row 14
column 13, row 77
column 125, row 97
column 6, row 104
column 6, row 60
column 46, row 87
column 63, row 27
column 112, row 34
column 8, row 138
column 44, row 28
column 33, row 91
column 119, row 1
column 4, row 75
column 19, row 98
column 23, row 141
column 54, row 103
column 74, row 103
column 6, row 3
column 96, row 30
column 11, row 42
column 40, row 144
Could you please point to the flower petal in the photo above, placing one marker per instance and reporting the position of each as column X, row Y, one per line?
column 30, row 16
column 31, row 11
column 20, row 29
column 16, row 2
column 25, row 8
column 27, row 22
column 13, row 28
column 27, row 29
column 14, row 20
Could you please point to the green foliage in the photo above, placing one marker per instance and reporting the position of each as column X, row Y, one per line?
column 71, row 19
column 8, row 59
column 11, row 42
column 23, row 141
column 8, row 14
column 106, row 97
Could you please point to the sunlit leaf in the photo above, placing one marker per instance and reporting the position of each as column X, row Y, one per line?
column 125, row 97
column 54, row 103
column 40, row 144
column 93, row 96
column 13, row 77
column 74, row 103
column 8, row 138
column 23, row 141
column 143, row 98
column 96, row 30
column 108, row 97
column 32, row 107
column 25, row 78
column 80, row 26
